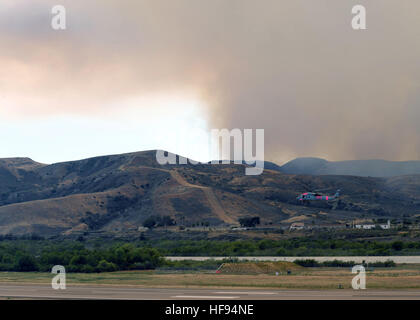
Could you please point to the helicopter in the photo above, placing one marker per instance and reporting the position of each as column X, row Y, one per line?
column 314, row 196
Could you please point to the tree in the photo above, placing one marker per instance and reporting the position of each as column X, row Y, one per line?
column 105, row 266
column 158, row 221
column 165, row 221
column 249, row 222
column 397, row 245
column 149, row 222
column 26, row 263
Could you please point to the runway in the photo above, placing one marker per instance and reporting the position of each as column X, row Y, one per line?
column 33, row 291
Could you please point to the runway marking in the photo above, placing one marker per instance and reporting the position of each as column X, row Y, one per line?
column 205, row 297
column 246, row 292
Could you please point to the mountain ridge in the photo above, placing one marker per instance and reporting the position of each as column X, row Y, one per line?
column 116, row 194
column 363, row 168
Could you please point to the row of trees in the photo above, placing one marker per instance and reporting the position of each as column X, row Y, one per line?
column 158, row 221
column 343, row 264
column 162, row 221
column 249, row 222
column 14, row 257
column 289, row 247
column 42, row 255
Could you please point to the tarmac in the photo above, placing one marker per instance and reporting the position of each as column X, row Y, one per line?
column 36, row 291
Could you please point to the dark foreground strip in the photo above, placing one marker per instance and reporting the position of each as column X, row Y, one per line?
column 215, row 309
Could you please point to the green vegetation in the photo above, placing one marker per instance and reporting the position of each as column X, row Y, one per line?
column 42, row 256
column 343, row 264
column 158, row 221
column 303, row 246
column 249, row 222
column 34, row 254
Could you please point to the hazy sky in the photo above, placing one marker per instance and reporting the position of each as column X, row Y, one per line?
column 130, row 75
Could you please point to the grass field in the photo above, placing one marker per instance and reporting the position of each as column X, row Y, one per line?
column 401, row 277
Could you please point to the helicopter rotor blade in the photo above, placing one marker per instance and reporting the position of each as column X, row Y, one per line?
column 324, row 189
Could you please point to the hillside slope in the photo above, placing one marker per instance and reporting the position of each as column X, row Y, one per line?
column 117, row 193
column 363, row 168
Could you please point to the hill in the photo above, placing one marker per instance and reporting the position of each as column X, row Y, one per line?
column 116, row 194
column 280, row 267
column 363, row 168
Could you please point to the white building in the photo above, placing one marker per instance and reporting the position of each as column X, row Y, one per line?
column 297, row 226
column 365, row 226
column 386, row 226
